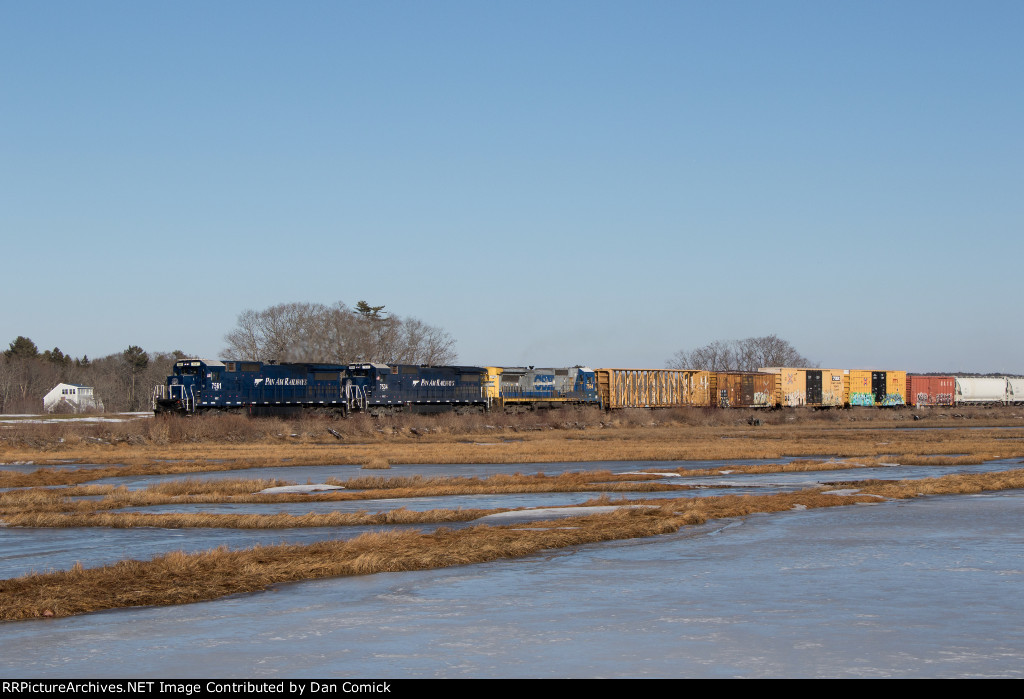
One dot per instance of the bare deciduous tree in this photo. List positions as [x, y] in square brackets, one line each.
[310, 332]
[740, 355]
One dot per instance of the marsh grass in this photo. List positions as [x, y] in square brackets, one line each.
[123, 520]
[855, 439]
[197, 491]
[377, 462]
[940, 460]
[648, 443]
[68, 435]
[27, 507]
[178, 578]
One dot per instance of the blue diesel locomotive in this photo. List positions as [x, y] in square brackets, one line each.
[257, 388]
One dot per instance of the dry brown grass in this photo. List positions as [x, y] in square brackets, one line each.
[939, 460]
[377, 463]
[126, 520]
[841, 439]
[235, 429]
[178, 578]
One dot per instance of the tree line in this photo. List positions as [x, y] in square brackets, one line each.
[123, 381]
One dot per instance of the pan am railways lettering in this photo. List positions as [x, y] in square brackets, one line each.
[433, 382]
[281, 382]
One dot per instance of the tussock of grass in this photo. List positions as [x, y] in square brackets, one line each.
[377, 463]
[943, 460]
[178, 578]
[128, 520]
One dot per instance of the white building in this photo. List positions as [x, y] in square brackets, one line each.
[71, 398]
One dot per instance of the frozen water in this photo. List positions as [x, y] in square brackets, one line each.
[23, 550]
[923, 588]
[300, 473]
[319, 474]
[509, 500]
[928, 587]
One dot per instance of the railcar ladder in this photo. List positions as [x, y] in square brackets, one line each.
[356, 396]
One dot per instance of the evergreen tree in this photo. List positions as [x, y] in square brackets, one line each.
[55, 356]
[22, 348]
[367, 311]
[135, 360]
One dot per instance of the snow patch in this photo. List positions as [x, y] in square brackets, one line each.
[312, 488]
[61, 420]
[540, 529]
[549, 512]
[651, 473]
[851, 491]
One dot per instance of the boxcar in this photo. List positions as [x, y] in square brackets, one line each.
[816, 388]
[930, 390]
[874, 387]
[652, 388]
[742, 389]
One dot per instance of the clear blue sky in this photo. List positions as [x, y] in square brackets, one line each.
[551, 182]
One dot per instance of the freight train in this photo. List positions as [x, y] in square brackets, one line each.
[257, 388]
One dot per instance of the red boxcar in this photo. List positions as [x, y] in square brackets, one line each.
[930, 390]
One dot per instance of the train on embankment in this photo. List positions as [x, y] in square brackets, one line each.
[257, 388]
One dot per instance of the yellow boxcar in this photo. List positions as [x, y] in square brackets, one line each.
[816, 388]
[652, 388]
[875, 387]
[833, 388]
